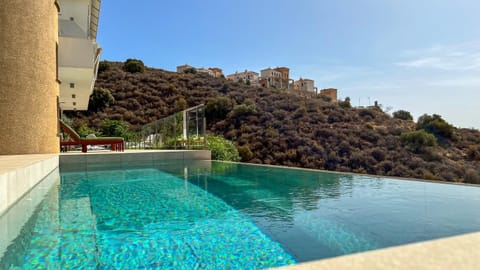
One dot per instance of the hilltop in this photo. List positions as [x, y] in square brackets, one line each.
[280, 127]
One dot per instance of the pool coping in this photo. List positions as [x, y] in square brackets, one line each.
[20, 173]
[355, 174]
[457, 252]
[133, 156]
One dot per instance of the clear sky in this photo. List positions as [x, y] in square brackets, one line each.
[422, 56]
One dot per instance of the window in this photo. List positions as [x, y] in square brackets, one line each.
[74, 103]
[74, 96]
[72, 85]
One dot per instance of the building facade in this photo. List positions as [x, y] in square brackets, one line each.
[205, 71]
[275, 77]
[246, 76]
[30, 56]
[78, 52]
[329, 92]
[304, 85]
[217, 72]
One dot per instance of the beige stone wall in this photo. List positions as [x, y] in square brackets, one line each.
[28, 85]
[331, 92]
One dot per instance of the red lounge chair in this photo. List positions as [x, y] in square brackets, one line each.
[116, 143]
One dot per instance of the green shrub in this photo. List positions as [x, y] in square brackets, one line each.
[134, 66]
[243, 110]
[100, 99]
[325, 98]
[84, 130]
[345, 103]
[103, 66]
[180, 104]
[115, 128]
[222, 149]
[366, 114]
[418, 140]
[403, 115]
[190, 70]
[245, 152]
[435, 125]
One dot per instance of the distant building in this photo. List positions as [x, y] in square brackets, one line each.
[205, 71]
[285, 76]
[246, 76]
[304, 85]
[217, 72]
[182, 68]
[329, 92]
[275, 77]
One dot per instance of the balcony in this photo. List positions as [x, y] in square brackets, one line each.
[78, 57]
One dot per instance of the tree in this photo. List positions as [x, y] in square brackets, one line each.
[84, 130]
[134, 66]
[435, 125]
[103, 66]
[403, 115]
[218, 108]
[345, 103]
[418, 140]
[115, 128]
[100, 99]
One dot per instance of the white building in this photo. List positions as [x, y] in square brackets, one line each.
[246, 76]
[78, 52]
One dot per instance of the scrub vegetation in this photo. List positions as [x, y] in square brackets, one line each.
[272, 126]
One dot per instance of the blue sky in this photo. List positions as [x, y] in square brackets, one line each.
[421, 56]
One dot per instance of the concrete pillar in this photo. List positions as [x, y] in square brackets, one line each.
[28, 77]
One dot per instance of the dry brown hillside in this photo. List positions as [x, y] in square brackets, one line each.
[273, 126]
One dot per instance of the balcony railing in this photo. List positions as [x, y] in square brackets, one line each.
[182, 130]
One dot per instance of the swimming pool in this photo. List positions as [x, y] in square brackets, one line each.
[214, 215]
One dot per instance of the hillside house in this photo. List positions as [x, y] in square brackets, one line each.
[217, 72]
[329, 92]
[304, 85]
[182, 68]
[275, 77]
[246, 76]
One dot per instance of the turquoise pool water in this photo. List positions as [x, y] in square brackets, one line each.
[213, 215]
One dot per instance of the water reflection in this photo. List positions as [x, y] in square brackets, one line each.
[318, 215]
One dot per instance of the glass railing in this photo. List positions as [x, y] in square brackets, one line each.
[182, 130]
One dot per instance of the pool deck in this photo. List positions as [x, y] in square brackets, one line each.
[20, 173]
[458, 252]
